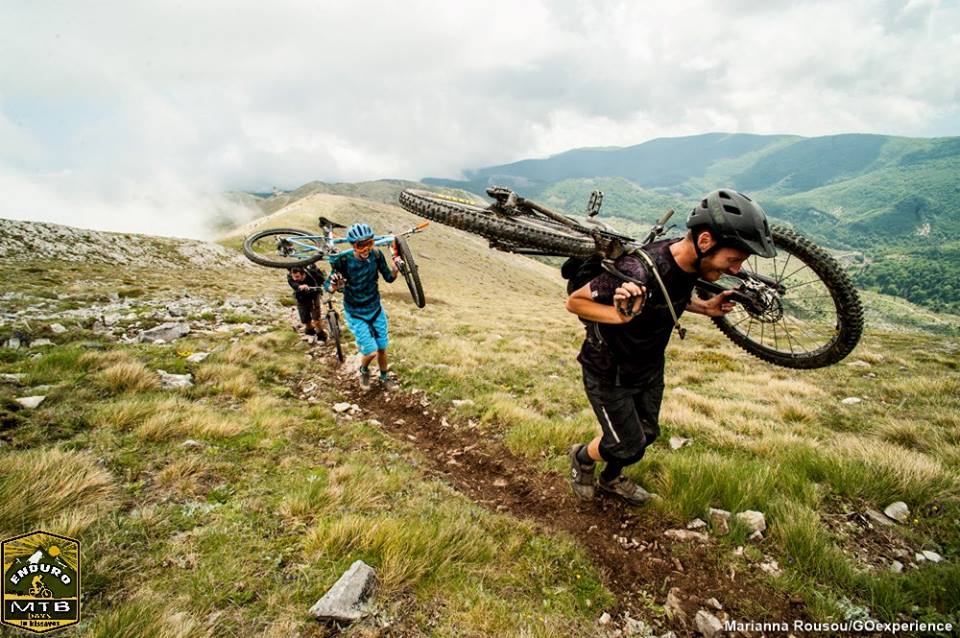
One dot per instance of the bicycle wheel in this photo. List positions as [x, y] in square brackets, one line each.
[815, 322]
[333, 332]
[522, 230]
[283, 247]
[410, 272]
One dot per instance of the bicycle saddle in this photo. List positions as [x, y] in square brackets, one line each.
[328, 223]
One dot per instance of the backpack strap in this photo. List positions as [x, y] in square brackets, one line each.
[663, 288]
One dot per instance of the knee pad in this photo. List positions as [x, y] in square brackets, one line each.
[625, 452]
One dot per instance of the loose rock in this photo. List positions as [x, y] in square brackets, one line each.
[696, 523]
[686, 535]
[753, 520]
[175, 381]
[460, 402]
[933, 557]
[673, 607]
[165, 331]
[878, 517]
[720, 520]
[57, 328]
[677, 442]
[898, 511]
[197, 357]
[31, 402]
[708, 624]
[851, 401]
[635, 627]
[345, 601]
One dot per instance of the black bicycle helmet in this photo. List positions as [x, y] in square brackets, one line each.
[735, 221]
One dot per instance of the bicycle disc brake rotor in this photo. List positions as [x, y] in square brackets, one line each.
[767, 306]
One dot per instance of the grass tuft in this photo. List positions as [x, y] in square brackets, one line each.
[38, 486]
[126, 376]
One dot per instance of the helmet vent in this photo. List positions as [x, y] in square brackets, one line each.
[703, 204]
[724, 195]
[731, 209]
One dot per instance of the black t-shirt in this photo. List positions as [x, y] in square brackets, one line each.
[314, 279]
[632, 353]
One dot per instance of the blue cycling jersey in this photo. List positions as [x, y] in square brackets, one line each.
[362, 295]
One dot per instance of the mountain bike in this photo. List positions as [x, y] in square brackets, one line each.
[288, 247]
[797, 310]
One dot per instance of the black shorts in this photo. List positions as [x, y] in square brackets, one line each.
[629, 415]
[310, 310]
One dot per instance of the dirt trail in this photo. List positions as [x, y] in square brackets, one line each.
[637, 563]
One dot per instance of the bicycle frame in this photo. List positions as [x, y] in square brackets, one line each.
[612, 244]
[308, 243]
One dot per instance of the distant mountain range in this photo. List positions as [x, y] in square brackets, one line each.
[896, 200]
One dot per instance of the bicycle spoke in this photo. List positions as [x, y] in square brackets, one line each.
[789, 337]
[801, 268]
[780, 276]
[812, 281]
[734, 325]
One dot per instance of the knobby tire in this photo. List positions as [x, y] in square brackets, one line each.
[411, 273]
[842, 295]
[333, 330]
[495, 226]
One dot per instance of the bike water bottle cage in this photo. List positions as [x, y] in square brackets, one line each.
[734, 221]
[359, 232]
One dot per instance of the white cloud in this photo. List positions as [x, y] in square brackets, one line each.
[180, 102]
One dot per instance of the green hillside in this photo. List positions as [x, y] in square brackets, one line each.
[878, 195]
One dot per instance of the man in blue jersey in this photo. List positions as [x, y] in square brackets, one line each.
[356, 273]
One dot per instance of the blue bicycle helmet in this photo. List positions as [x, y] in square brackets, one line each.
[359, 232]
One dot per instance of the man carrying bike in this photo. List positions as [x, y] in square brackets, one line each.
[356, 274]
[306, 283]
[629, 326]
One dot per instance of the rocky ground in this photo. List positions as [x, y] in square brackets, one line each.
[32, 241]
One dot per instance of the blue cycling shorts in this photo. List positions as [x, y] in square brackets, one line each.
[369, 336]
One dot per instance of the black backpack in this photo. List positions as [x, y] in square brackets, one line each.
[579, 272]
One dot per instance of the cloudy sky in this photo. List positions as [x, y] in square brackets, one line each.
[135, 115]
